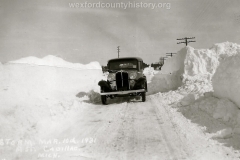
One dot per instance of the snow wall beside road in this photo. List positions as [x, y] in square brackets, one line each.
[191, 65]
[199, 62]
[226, 83]
[217, 70]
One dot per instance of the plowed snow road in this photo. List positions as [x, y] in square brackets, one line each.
[134, 131]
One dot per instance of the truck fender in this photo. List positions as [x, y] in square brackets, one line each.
[139, 83]
[105, 85]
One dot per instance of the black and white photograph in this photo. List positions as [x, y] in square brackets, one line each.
[119, 80]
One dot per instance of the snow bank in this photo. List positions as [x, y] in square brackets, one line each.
[199, 62]
[50, 77]
[170, 76]
[193, 69]
[44, 81]
[164, 83]
[54, 61]
[226, 79]
[218, 66]
[204, 62]
[175, 63]
[32, 95]
[149, 72]
[225, 49]
[221, 109]
[204, 71]
[188, 99]
[188, 68]
[225, 133]
[226, 84]
[94, 97]
[191, 62]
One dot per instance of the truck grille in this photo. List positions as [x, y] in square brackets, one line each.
[122, 82]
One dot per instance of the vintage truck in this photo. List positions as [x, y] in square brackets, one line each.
[125, 78]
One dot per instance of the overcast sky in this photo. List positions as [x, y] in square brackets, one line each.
[43, 27]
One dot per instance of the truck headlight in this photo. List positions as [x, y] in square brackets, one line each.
[133, 75]
[111, 77]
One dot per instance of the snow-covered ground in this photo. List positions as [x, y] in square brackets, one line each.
[34, 92]
[51, 109]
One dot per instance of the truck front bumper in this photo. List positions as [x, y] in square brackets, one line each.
[123, 92]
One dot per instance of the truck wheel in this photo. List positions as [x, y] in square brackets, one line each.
[143, 96]
[104, 99]
[146, 86]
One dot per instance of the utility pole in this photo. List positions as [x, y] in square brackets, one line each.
[163, 59]
[170, 54]
[186, 40]
[118, 49]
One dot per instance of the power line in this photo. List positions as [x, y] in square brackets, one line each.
[186, 40]
[170, 54]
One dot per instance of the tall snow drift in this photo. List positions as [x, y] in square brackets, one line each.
[210, 84]
[176, 63]
[200, 62]
[170, 76]
[225, 49]
[190, 66]
[226, 82]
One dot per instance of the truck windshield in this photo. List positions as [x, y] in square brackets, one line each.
[123, 64]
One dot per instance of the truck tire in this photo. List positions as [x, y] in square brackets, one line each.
[146, 86]
[143, 96]
[104, 99]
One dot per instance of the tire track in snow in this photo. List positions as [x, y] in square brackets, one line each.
[105, 147]
[168, 131]
[137, 131]
[137, 138]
